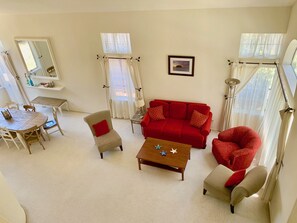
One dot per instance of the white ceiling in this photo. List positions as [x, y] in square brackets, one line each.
[58, 6]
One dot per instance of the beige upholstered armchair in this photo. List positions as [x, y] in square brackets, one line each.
[107, 141]
[251, 184]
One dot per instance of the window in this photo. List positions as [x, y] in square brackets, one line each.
[28, 55]
[253, 97]
[290, 65]
[121, 84]
[294, 63]
[260, 45]
[116, 43]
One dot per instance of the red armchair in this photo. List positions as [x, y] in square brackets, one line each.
[235, 148]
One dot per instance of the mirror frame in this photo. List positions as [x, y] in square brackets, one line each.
[16, 39]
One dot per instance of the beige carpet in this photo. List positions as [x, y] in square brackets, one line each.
[68, 182]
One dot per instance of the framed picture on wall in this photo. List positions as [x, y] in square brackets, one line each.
[181, 65]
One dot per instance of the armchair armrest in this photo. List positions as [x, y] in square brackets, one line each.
[205, 129]
[145, 121]
[226, 135]
[241, 159]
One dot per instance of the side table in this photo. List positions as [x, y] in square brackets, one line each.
[56, 103]
[136, 119]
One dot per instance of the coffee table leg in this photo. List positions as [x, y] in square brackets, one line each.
[139, 164]
[183, 170]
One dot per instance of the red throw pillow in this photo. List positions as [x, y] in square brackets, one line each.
[156, 113]
[235, 178]
[101, 128]
[198, 119]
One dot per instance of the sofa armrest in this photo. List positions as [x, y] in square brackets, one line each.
[205, 129]
[145, 121]
[241, 159]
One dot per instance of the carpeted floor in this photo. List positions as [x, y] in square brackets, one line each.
[69, 183]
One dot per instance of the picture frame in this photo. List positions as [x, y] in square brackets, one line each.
[181, 65]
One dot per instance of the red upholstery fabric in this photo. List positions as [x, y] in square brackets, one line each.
[198, 119]
[172, 129]
[155, 129]
[191, 136]
[235, 178]
[235, 148]
[178, 110]
[156, 113]
[176, 129]
[165, 105]
[101, 128]
[202, 108]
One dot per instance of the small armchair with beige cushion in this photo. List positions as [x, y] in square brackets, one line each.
[215, 183]
[107, 141]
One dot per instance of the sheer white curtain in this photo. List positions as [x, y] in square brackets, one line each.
[9, 83]
[243, 72]
[270, 126]
[121, 88]
[287, 119]
[243, 110]
[260, 45]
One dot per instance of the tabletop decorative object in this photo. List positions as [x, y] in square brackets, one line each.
[158, 147]
[163, 153]
[6, 114]
[173, 151]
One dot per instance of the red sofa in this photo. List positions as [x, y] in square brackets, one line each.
[235, 148]
[176, 125]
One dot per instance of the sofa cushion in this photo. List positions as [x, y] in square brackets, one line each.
[198, 119]
[192, 135]
[156, 113]
[165, 105]
[224, 155]
[155, 129]
[172, 129]
[178, 110]
[101, 128]
[202, 108]
[235, 178]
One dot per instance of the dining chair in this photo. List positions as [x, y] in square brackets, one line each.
[8, 136]
[52, 124]
[29, 108]
[30, 136]
[32, 108]
[12, 105]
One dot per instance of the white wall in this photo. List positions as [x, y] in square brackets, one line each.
[285, 193]
[4, 97]
[212, 36]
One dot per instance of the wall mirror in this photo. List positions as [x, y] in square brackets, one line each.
[38, 57]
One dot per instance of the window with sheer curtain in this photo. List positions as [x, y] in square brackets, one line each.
[256, 104]
[117, 47]
[260, 45]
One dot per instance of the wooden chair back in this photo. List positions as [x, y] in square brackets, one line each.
[29, 108]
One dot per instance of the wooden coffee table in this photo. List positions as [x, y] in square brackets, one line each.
[177, 162]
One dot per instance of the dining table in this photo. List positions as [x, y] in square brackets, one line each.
[22, 120]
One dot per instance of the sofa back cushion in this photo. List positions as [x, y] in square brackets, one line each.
[202, 108]
[177, 110]
[165, 105]
[156, 113]
[198, 119]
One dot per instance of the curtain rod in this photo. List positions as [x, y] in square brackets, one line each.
[113, 57]
[278, 74]
[248, 62]
[282, 84]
